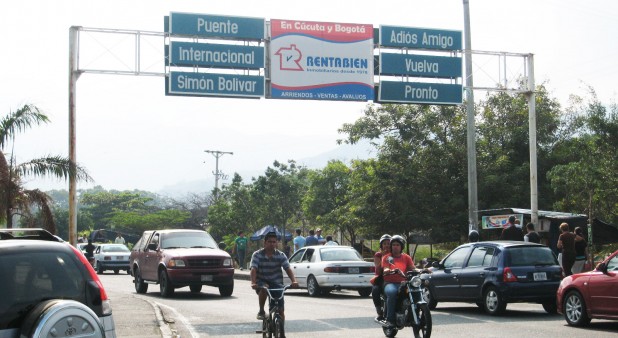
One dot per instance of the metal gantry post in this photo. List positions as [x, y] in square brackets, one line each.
[471, 127]
[217, 154]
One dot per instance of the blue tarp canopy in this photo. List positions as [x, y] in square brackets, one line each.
[270, 228]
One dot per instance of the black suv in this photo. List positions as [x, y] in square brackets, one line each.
[492, 274]
[49, 289]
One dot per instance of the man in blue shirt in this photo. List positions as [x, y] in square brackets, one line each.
[299, 241]
[311, 239]
[266, 265]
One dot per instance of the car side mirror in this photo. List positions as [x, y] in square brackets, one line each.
[601, 267]
[152, 246]
[436, 264]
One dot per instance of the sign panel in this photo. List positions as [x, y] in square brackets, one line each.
[499, 221]
[420, 38]
[191, 54]
[420, 92]
[321, 60]
[420, 65]
[216, 26]
[208, 84]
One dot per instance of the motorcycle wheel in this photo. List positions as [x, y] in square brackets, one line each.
[389, 332]
[424, 329]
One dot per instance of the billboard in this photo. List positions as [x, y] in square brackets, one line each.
[498, 221]
[321, 60]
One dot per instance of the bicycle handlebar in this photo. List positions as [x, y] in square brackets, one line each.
[268, 290]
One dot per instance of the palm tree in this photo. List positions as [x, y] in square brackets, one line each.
[14, 198]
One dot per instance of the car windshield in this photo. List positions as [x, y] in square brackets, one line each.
[340, 255]
[527, 255]
[115, 248]
[187, 240]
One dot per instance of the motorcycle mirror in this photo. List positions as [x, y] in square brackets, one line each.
[390, 260]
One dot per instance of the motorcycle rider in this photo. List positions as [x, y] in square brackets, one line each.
[392, 279]
[378, 280]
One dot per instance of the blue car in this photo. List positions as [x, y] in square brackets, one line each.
[493, 274]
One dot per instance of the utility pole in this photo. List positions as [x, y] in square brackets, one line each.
[217, 173]
[471, 127]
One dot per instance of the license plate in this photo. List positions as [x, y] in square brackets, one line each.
[352, 270]
[206, 278]
[538, 276]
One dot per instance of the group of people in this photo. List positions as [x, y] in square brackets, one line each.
[314, 238]
[511, 232]
[572, 245]
[573, 250]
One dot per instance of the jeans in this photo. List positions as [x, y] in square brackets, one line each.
[241, 259]
[391, 290]
[376, 291]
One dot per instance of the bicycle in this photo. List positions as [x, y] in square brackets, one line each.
[272, 324]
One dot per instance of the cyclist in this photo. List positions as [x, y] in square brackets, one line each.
[266, 264]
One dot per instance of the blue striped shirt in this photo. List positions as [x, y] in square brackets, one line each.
[269, 269]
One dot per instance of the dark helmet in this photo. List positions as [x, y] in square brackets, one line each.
[399, 239]
[385, 237]
[473, 236]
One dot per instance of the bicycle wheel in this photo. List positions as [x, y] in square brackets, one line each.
[278, 327]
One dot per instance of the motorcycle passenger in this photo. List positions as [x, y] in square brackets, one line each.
[400, 262]
[378, 279]
[266, 271]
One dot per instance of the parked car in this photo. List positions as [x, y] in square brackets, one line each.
[321, 269]
[47, 287]
[493, 274]
[178, 258]
[111, 257]
[588, 295]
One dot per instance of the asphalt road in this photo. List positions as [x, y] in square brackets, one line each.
[342, 314]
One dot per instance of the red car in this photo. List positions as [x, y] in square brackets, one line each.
[588, 295]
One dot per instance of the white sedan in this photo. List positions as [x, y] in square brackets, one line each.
[111, 257]
[323, 268]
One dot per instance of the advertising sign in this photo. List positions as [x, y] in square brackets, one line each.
[498, 221]
[420, 38]
[420, 65]
[420, 92]
[216, 26]
[191, 54]
[208, 84]
[321, 60]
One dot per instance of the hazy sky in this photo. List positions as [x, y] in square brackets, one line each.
[131, 136]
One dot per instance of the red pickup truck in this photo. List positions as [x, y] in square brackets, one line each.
[178, 258]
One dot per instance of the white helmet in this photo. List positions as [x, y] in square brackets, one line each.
[385, 237]
[399, 239]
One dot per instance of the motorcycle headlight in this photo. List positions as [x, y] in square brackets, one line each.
[416, 281]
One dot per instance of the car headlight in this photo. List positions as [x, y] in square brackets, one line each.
[179, 263]
[416, 281]
[227, 262]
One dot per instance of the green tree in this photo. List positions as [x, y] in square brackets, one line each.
[101, 205]
[15, 199]
[234, 210]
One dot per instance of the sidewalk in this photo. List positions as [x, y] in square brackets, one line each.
[138, 317]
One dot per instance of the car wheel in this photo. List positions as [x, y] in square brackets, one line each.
[69, 317]
[492, 302]
[116, 271]
[195, 288]
[99, 268]
[575, 309]
[431, 302]
[226, 290]
[166, 289]
[312, 287]
[364, 292]
[140, 285]
[550, 307]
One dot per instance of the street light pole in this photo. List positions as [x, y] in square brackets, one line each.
[217, 173]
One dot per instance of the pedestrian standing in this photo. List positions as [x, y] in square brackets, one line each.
[240, 247]
[581, 251]
[531, 235]
[311, 239]
[119, 239]
[566, 243]
[299, 241]
[511, 232]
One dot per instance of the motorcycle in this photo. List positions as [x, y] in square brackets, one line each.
[411, 309]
